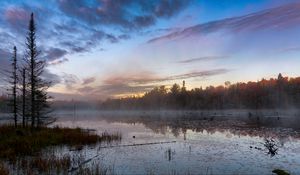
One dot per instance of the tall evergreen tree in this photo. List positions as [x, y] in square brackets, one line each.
[24, 117]
[13, 89]
[38, 87]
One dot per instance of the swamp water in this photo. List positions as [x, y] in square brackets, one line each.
[171, 142]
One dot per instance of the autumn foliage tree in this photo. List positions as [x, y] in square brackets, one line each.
[282, 92]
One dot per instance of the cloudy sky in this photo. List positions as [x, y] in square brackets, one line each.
[97, 49]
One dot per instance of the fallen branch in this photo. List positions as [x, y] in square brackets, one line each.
[113, 146]
[137, 144]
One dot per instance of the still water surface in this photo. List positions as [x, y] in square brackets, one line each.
[189, 143]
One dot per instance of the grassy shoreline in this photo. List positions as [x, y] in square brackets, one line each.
[16, 144]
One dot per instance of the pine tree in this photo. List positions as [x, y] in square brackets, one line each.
[24, 116]
[38, 87]
[13, 90]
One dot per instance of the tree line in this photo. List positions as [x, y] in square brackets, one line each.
[280, 92]
[28, 100]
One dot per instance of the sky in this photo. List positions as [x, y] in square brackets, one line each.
[99, 49]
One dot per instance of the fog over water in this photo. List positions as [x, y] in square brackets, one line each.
[212, 142]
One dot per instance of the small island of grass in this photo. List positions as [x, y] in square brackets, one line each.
[23, 147]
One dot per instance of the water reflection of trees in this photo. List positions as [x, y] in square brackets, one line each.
[178, 124]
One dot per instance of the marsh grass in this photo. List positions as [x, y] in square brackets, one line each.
[52, 164]
[43, 165]
[3, 169]
[94, 169]
[106, 137]
[26, 142]
[23, 149]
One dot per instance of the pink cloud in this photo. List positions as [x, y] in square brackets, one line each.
[16, 16]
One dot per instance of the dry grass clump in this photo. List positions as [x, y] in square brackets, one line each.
[3, 169]
[44, 165]
[25, 141]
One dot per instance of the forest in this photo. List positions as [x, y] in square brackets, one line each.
[281, 92]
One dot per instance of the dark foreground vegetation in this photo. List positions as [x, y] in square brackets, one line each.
[23, 147]
[25, 141]
[282, 92]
